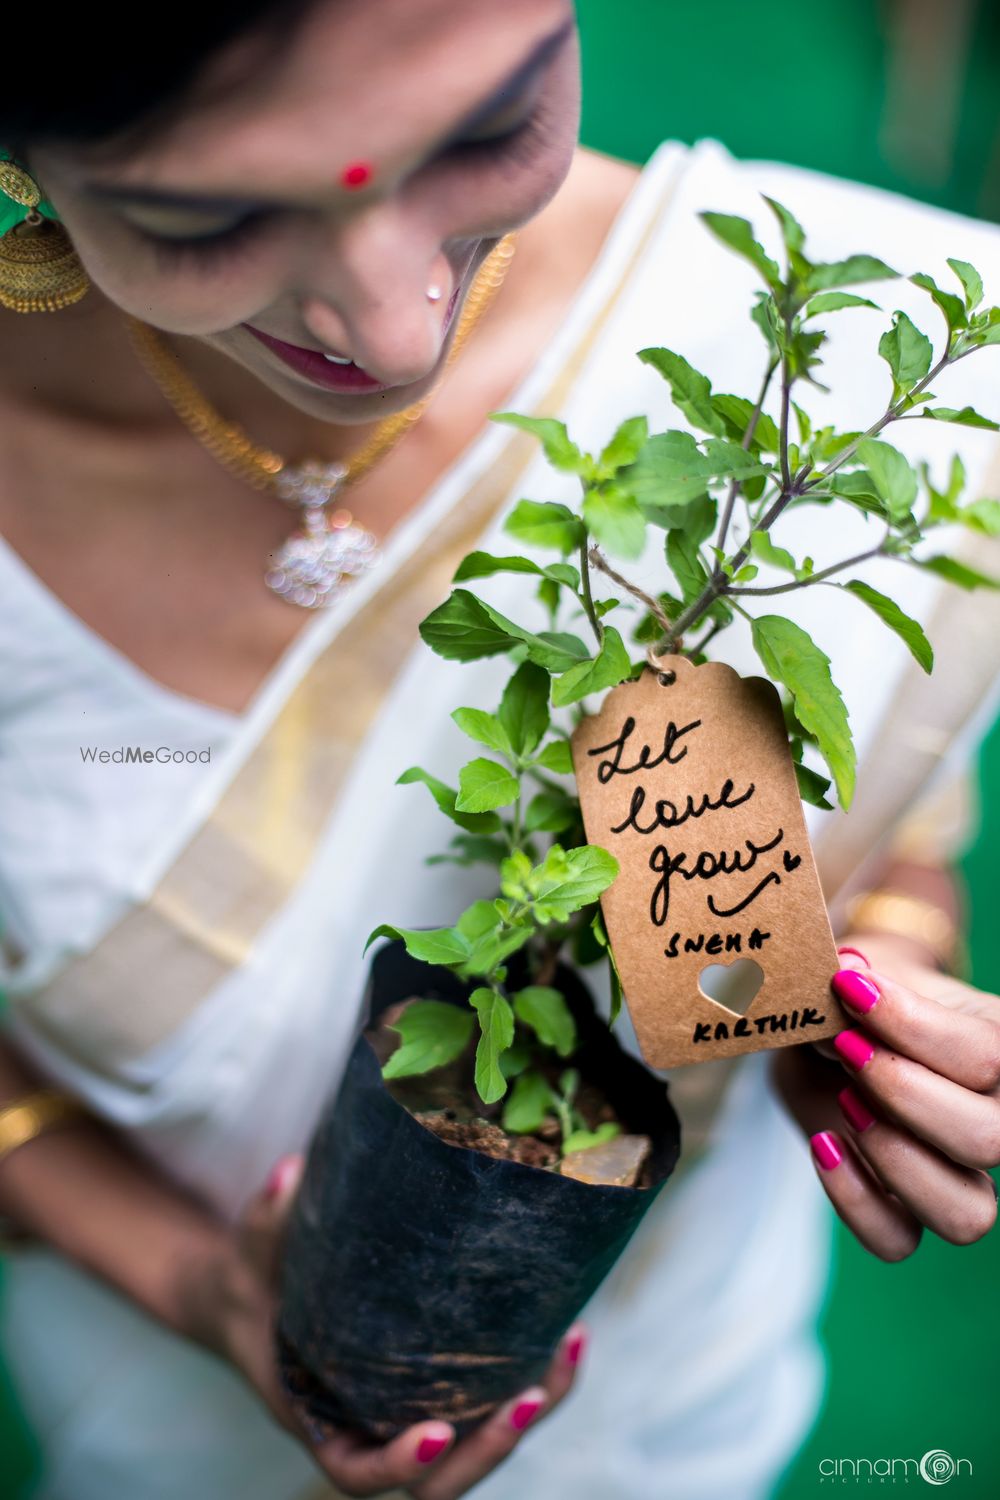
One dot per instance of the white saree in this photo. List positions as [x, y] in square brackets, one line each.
[182, 944]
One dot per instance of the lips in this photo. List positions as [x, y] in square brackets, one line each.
[313, 363]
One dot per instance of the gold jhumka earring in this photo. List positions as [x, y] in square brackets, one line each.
[39, 269]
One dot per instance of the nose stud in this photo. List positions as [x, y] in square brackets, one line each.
[435, 292]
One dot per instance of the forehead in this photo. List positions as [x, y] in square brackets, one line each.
[356, 78]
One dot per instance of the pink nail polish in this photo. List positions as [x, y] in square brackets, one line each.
[826, 1151]
[430, 1447]
[525, 1412]
[280, 1176]
[855, 953]
[854, 989]
[857, 1115]
[575, 1348]
[853, 1048]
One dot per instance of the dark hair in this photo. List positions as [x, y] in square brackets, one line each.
[109, 79]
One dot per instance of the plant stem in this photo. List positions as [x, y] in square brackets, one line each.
[734, 488]
[786, 404]
[600, 561]
[804, 583]
[587, 593]
[709, 636]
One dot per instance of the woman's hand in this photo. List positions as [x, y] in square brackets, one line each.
[424, 1461]
[903, 1109]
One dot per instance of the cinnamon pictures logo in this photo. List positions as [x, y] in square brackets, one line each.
[134, 755]
[936, 1467]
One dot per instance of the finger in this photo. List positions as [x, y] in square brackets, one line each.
[360, 1467]
[880, 1223]
[854, 959]
[957, 1203]
[953, 1042]
[490, 1444]
[264, 1216]
[963, 1124]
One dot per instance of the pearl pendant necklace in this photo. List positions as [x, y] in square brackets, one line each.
[313, 565]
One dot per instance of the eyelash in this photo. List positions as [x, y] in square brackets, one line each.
[517, 145]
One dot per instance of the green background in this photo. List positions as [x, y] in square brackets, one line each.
[912, 1348]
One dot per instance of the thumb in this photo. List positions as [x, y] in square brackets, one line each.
[262, 1224]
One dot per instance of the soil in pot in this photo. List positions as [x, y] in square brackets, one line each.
[432, 1277]
[445, 1101]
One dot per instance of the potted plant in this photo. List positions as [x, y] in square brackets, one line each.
[491, 1144]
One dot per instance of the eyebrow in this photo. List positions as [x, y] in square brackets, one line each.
[164, 198]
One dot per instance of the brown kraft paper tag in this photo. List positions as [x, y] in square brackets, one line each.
[691, 786]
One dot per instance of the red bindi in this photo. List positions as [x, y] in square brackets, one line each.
[356, 175]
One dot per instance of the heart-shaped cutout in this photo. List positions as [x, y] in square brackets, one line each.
[732, 986]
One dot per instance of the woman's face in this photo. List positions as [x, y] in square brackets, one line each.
[467, 116]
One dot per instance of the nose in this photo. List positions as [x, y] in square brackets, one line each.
[367, 298]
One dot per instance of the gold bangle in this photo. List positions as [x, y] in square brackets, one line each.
[24, 1118]
[900, 914]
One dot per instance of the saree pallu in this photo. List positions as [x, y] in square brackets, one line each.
[207, 1009]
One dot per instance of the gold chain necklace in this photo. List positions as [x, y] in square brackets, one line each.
[314, 563]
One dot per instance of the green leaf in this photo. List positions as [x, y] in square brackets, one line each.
[570, 879]
[465, 628]
[529, 1105]
[446, 799]
[965, 416]
[543, 523]
[906, 628]
[792, 658]
[736, 413]
[433, 1034]
[763, 548]
[982, 515]
[847, 272]
[557, 757]
[907, 352]
[484, 728]
[685, 564]
[484, 565]
[827, 302]
[672, 469]
[524, 708]
[625, 446]
[610, 666]
[484, 785]
[957, 572]
[546, 1012]
[972, 282]
[791, 230]
[951, 306]
[496, 1025]
[559, 450]
[944, 504]
[471, 849]
[614, 518]
[738, 234]
[435, 945]
[691, 391]
[550, 812]
[894, 479]
[813, 787]
[583, 1140]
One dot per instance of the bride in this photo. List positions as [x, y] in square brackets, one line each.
[294, 253]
